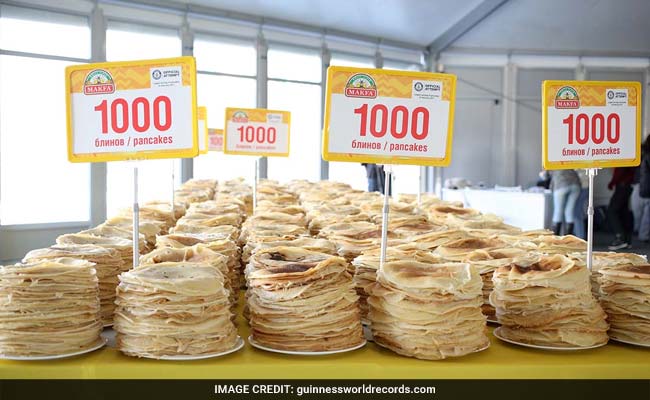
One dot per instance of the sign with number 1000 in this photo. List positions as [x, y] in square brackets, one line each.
[132, 110]
[257, 131]
[388, 117]
[589, 124]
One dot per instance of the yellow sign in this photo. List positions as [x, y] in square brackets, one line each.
[132, 110]
[257, 132]
[202, 114]
[215, 139]
[591, 124]
[388, 117]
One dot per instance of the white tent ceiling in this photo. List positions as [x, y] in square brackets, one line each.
[616, 27]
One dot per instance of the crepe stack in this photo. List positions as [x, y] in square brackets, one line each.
[302, 301]
[123, 227]
[547, 301]
[123, 246]
[303, 242]
[486, 262]
[428, 310]
[625, 295]
[214, 242]
[367, 264]
[48, 308]
[236, 189]
[216, 232]
[451, 214]
[325, 214]
[173, 309]
[458, 249]
[430, 241]
[107, 263]
[352, 239]
[413, 226]
[559, 244]
[109, 231]
[198, 253]
[602, 260]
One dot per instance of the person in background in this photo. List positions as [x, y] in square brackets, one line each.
[618, 211]
[580, 211]
[566, 189]
[376, 178]
[644, 192]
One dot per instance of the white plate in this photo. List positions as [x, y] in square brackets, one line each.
[497, 334]
[99, 345]
[492, 321]
[238, 346]
[629, 342]
[303, 353]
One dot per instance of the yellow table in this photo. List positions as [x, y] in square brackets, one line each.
[501, 360]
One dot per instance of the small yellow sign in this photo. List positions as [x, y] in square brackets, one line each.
[388, 117]
[202, 114]
[257, 132]
[215, 139]
[132, 110]
[591, 124]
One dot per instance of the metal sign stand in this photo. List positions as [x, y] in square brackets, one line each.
[257, 170]
[419, 188]
[173, 189]
[591, 173]
[136, 218]
[384, 219]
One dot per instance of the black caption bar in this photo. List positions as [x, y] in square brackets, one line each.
[324, 389]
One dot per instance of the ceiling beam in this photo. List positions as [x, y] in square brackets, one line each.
[464, 25]
[176, 6]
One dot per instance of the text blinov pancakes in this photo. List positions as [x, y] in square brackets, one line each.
[302, 301]
[547, 301]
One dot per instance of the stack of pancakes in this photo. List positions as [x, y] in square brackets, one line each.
[123, 246]
[172, 309]
[625, 295]
[49, 307]
[215, 242]
[486, 262]
[602, 260]
[547, 301]
[367, 264]
[301, 300]
[236, 191]
[197, 254]
[107, 263]
[427, 310]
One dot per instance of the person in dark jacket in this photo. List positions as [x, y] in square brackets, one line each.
[644, 191]
[376, 178]
[618, 211]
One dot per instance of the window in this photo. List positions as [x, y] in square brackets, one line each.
[353, 174]
[303, 100]
[42, 32]
[133, 42]
[216, 59]
[401, 65]
[37, 183]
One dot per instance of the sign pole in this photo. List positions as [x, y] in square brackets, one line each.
[173, 189]
[257, 169]
[384, 219]
[136, 219]
[419, 188]
[591, 173]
